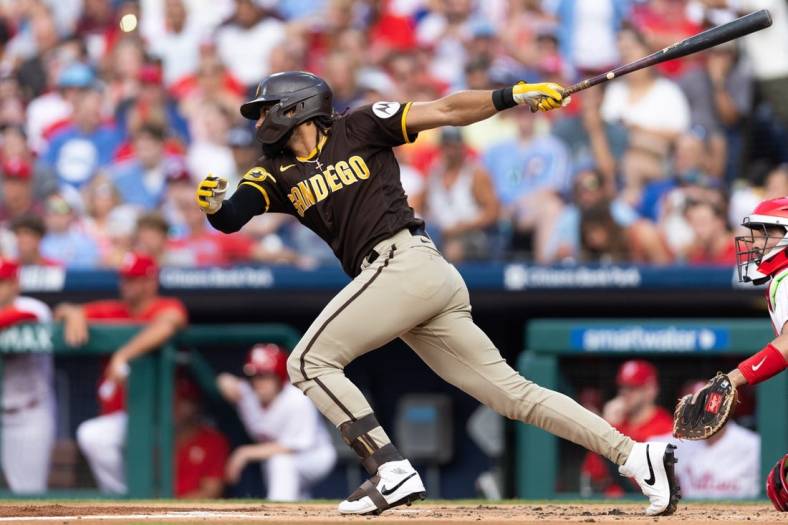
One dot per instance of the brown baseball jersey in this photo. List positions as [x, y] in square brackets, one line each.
[348, 190]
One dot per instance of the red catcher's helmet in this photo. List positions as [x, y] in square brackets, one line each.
[776, 486]
[266, 359]
[754, 263]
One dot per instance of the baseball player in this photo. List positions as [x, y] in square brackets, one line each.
[761, 257]
[28, 422]
[338, 175]
[291, 441]
[103, 438]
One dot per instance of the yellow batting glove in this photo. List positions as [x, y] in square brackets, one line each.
[540, 97]
[210, 194]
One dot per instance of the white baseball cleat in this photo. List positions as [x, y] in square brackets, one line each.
[396, 483]
[651, 466]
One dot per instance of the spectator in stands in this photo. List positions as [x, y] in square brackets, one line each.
[52, 109]
[200, 450]
[151, 236]
[529, 174]
[721, 112]
[638, 102]
[769, 65]
[663, 23]
[590, 196]
[587, 33]
[209, 127]
[36, 41]
[460, 201]
[724, 466]
[79, 149]
[244, 148]
[178, 48]
[142, 179]
[213, 83]
[287, 429]
[66, 241]
[126, 61]
[152, 105]
[245, 42]
[102, 439]
[340, 73]
[18, 194]
[29, 230]
[634, 413]
[602, 238]
[712, 242]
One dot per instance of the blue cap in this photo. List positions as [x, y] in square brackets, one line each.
[76, 75]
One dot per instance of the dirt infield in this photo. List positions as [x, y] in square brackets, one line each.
[463, 513]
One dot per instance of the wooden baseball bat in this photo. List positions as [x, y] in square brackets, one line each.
[709, 38]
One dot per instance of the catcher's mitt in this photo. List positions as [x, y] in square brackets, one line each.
[703, 414]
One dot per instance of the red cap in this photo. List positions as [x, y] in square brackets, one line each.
[9, 269]
[138, 265]
[17, 169]
[266, 359]
[636, 373]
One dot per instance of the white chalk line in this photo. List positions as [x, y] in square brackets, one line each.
[147, 517]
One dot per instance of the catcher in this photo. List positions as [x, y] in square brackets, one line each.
[761, 256]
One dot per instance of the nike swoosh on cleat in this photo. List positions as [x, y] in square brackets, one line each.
[285, 168]
[651, 479]
[756, 367]
[387, 492]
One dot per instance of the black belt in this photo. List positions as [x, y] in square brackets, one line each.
[414, 230]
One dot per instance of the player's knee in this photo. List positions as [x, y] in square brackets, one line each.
[90, 436]
[279, 465]
[294, 366]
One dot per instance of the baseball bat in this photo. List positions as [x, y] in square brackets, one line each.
[709, 38]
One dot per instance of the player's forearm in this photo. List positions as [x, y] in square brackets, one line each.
[237, 210]
[770, 361]
[263, 451]
[149, 339]
[466, 107]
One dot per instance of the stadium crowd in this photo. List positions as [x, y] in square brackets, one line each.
[111, 110]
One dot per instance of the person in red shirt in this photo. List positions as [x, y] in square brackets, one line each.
[102, 439]
[634, 413]
[200, 450]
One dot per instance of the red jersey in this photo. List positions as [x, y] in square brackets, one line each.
[112, 397]
[594, 466]
[198, 457]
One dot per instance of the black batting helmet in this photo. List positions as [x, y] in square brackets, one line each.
[305, 95]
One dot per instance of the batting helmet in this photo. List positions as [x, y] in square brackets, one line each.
[776, 486]
[295, 97]
[266, 359]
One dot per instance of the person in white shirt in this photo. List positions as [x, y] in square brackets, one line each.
[246, 41]
[291, 441]
[178, 45]
[643, 100]
[28, 404]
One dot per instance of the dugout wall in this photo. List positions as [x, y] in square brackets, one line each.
[551, 342]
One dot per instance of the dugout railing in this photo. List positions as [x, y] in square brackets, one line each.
[149, 442]
[549, 343]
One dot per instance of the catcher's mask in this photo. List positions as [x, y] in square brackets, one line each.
[291, 98]
[759, 257]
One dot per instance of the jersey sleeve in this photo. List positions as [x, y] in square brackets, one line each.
[778, 302]
[261, 179]
[106, 310]
[381, 124]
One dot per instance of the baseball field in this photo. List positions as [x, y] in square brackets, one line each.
[312, 513]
